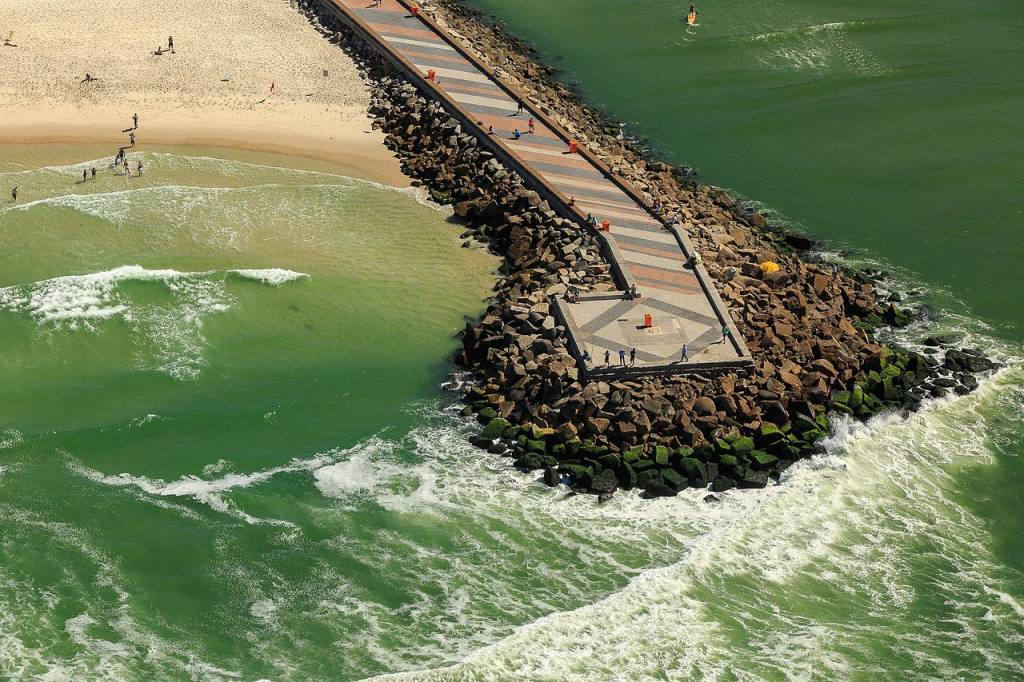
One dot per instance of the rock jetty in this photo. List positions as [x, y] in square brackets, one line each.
[809, 326]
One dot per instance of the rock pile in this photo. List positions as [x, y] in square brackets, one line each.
[808, 326]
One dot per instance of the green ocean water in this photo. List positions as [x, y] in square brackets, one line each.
[225, 452]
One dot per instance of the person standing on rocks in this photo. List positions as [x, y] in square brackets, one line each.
[622, 357]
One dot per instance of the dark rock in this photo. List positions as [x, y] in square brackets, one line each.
[722, 483]
[754, 479]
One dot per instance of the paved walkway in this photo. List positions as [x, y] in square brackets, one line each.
[683, 305]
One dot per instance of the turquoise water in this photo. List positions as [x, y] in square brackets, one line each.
[224, 453]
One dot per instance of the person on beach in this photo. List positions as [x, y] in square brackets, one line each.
[127, 169]
[89, 78]
[93, 172]
[159, 51]
[530, 125]
[376, 3]
[622, 357]
[572, 201]
[138, 168]
[170, 44]
[135, 121]
[131, 138]
[685, 352]
[14, 193]
[85, 175]
[632, 356]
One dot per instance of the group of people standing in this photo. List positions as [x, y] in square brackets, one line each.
[121, 160]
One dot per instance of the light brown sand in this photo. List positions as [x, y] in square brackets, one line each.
[183, 98]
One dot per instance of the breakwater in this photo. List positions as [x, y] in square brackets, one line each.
[808, 327]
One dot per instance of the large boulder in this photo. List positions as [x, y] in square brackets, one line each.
[704, 405]
[495, 428]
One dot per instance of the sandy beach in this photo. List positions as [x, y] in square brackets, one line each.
[214, 90]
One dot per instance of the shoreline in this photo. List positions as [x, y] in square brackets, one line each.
[353, 147]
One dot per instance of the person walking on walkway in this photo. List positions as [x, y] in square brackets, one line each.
[607, 353]
[685, 353]
[725, 333]
[622, 357]
[632, 356]
[531, 124]
[519, 111]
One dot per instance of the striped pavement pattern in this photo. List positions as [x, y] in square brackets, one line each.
[651, 254]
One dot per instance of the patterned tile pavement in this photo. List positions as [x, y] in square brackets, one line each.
[683, 311]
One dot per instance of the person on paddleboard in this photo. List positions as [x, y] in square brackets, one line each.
[691, 18]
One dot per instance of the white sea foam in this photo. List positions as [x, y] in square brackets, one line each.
[848, 532]
[207, 491]
[272, 276]
[263, 609]
[170, 336]
[822, 48]
[10, 438]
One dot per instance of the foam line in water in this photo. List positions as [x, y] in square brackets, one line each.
[852, 529]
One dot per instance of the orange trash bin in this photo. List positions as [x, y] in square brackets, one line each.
[431, 75]
[414, 10]
[648, 320]
[573, 146]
